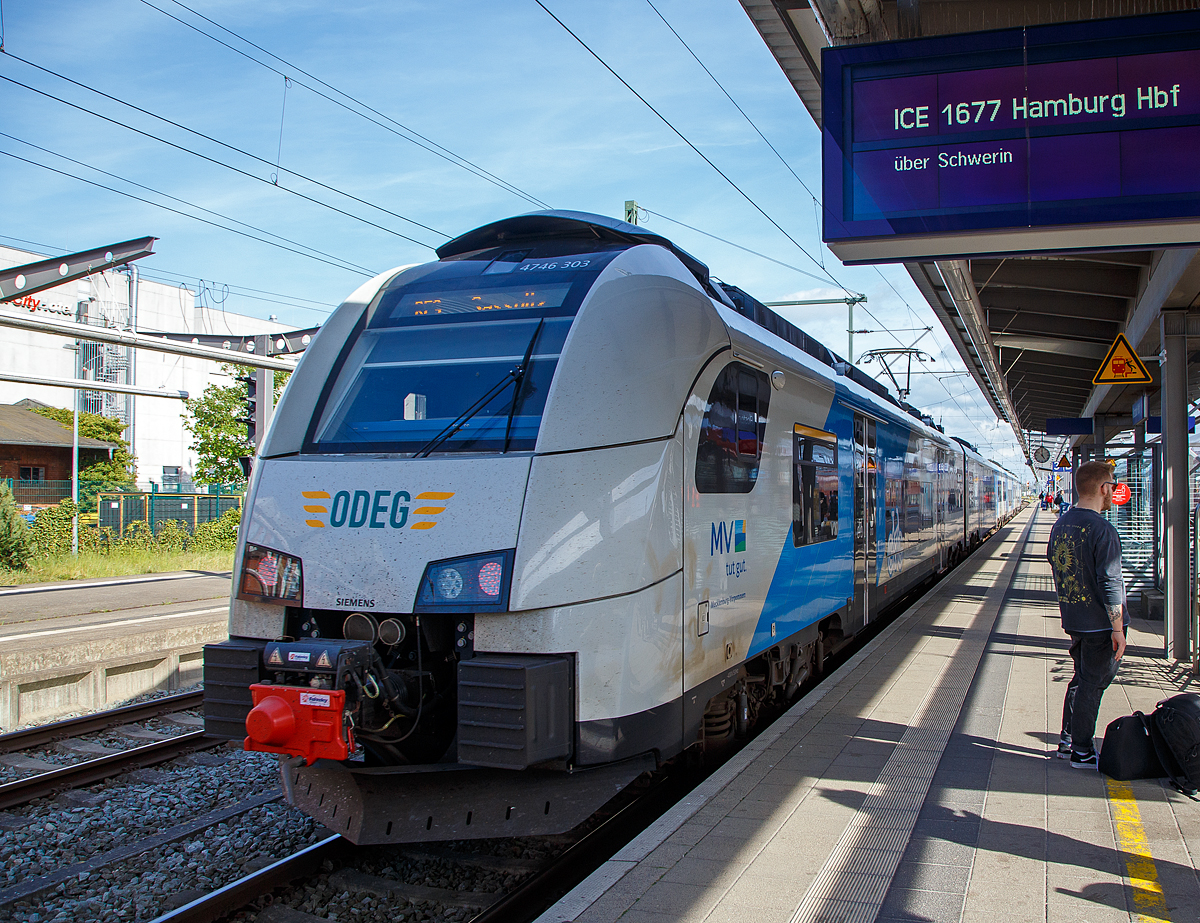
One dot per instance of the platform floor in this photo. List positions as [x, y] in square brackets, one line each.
[919, 783]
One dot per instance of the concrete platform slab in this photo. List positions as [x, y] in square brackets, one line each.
[920, 783]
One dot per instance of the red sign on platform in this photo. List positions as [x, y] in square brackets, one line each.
[1121, 494]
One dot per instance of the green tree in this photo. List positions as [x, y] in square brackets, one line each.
[215, 420]
[117, 473]
[16, 544]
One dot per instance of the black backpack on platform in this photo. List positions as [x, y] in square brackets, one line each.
[1175, 730]
[1128, 751]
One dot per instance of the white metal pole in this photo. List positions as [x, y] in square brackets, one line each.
[850, 331]
[131, 374]
[75, 472]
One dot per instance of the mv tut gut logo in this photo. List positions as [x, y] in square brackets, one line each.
[380, 509]
[729, 538]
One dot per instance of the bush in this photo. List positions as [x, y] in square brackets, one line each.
[217, 534]
[172, 535]
[98, 540]
[51, 532]
[16, 544]
[137, 536]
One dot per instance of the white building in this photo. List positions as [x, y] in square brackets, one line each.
[119, 299]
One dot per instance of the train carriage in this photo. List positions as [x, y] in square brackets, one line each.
[536, 517]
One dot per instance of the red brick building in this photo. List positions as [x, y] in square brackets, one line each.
[33, 448]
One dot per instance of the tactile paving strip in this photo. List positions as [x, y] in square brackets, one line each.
[851, 886]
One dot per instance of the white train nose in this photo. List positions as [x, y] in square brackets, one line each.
[352, 521]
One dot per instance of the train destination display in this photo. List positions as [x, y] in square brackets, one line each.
[997, 141]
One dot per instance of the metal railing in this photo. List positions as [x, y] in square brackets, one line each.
[118, 509]
[37, 494]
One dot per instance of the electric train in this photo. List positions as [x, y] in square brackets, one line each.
[536, 517]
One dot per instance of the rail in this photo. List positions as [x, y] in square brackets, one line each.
[44, 734]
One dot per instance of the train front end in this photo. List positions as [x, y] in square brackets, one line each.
[382, 521]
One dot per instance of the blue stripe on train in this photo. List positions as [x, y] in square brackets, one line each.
[814, 580]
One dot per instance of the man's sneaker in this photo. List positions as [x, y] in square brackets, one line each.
[1064, 749]
[1087, 760]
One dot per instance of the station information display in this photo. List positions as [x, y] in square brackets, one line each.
[1014, 140]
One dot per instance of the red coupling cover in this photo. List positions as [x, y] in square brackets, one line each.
[296, 721]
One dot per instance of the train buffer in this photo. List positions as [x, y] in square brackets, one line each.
[919, 783]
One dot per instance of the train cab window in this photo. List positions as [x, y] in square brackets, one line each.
[732, 432]
[814, 486]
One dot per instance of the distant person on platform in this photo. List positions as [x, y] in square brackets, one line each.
[1058, 501]
[1085, 555]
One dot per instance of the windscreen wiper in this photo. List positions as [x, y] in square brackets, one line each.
[463, 418]
[516, 375]
[522, 369]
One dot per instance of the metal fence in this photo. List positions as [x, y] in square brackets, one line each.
[34, 495]
[118, 510]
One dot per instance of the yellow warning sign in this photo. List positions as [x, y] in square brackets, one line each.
[1122, 366]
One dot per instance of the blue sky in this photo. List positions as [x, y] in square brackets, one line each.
[500, 84]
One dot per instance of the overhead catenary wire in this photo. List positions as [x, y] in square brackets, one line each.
[771, 259]
[812, 276]
[242, 291]
[88, 166]
[736, 105]
[417, 138]
[697, 150]
[816, 200]
[130, 195]
[212, 160]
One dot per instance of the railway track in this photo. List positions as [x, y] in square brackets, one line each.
[39, 736]
[89, 771]
[541, 882]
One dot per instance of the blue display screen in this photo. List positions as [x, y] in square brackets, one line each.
[1085, 123]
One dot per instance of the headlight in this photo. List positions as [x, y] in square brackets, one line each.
[270, 576]
[478, 583]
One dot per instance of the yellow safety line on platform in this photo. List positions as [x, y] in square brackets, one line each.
[1149, 904]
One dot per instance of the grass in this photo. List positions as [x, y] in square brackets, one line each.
[119, 564]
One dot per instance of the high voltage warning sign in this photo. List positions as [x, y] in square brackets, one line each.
[1122, 366]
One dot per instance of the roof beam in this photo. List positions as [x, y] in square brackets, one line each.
[1067, 276]
[142, 341]
[31, 278]
[1160, 287]
[1010, 322]
[1055, 304]
[1049, 346]
[84, 384]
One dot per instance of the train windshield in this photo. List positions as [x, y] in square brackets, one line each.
[457, 364]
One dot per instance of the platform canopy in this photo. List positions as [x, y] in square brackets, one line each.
[1033, 329]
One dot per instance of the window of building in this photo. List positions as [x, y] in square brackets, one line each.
[814, 486]
[32, 474]
[732, 432]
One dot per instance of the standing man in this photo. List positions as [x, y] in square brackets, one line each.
[1085, 555]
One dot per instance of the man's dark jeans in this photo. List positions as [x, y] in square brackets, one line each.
[1095, 667]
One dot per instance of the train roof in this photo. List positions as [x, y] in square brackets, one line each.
[561, 223]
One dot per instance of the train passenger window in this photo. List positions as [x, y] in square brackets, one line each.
[814, 486]
[731, 434]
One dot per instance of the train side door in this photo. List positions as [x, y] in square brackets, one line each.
[941, 481]
[865, 473]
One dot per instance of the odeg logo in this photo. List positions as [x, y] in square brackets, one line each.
[380, 509]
